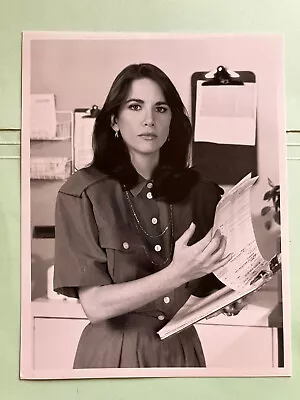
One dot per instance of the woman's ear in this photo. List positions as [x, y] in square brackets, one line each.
[114, 123]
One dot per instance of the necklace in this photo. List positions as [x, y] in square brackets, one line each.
[139, 223]
[140, 228]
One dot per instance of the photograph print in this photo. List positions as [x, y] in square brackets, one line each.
[154, 209]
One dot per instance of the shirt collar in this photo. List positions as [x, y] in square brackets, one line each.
[142, 182]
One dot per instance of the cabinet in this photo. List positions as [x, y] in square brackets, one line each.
[55, 342]
[238, 346]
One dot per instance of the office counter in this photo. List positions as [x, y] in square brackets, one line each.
[227, 341]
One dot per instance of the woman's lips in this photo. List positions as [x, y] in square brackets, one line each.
[148, 136]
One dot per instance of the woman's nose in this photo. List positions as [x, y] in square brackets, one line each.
[149, 119]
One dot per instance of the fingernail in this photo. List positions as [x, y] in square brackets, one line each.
[192, 224]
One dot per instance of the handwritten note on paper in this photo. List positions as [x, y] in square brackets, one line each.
[233, 218]
[83, 133]
[226, 114]
[42, 116]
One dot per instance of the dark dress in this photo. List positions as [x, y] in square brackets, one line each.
[99, 241]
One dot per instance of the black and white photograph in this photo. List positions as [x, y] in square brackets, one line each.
[154, 206]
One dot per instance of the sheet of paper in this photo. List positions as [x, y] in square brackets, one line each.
[83, 133]
[226, 114]
[233, 219]
[42, 116]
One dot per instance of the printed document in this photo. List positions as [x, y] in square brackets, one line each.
[239, 274]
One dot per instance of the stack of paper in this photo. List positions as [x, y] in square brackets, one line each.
[239, 274]
[42, 116]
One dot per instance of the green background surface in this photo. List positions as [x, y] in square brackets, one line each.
[219, 16]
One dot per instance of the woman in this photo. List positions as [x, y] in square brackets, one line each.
[133, 237]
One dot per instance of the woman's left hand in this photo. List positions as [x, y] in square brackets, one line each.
[230, 310]
[234, 308]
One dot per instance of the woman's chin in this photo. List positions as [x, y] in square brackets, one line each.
[147, 149]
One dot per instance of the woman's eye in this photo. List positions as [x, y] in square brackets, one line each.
[161, 109]
[134, 107]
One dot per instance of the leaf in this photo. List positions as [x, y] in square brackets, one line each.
[270, 182]
[277, 217]
[268, 225]
[265, 210]
[267, 195]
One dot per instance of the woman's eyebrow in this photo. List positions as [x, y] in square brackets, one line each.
[136, 100]
[158, 103]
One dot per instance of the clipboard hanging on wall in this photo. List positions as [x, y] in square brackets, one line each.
[82, 150]
[224, 147]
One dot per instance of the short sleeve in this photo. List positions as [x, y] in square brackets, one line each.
[79, 259]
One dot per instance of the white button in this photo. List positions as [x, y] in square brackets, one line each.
[149, 195]
[154, 221]
[161, 317]
[167, 300]
[149, 185]
[157, 247]
[126, 245]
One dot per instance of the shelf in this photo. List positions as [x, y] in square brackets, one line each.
[44, 232]
[45, 139]
[50, 168]
[256, 313]
[63, 131]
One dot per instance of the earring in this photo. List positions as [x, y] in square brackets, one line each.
[117, 134]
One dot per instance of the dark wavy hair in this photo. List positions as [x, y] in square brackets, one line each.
[172, 177]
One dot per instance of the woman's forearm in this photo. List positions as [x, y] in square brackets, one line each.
[189, 263]
[105, 302]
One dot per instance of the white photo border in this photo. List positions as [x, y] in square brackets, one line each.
[26, 367]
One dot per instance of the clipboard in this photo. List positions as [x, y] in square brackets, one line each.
[82, 149]
[196, 310]
[224, 164]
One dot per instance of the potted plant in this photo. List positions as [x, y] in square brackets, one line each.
[272, 213]
[273, 209]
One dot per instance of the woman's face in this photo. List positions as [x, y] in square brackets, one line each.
[144, 118]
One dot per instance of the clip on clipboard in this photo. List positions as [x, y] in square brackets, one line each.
[227, 162]
[84, 119]
[265, 275]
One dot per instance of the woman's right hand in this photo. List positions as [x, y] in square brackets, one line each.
[193, 262]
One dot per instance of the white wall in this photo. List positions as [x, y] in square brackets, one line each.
[80, 73]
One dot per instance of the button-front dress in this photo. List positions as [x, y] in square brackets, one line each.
[104, 236]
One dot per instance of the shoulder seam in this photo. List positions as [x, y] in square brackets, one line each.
[75, 188]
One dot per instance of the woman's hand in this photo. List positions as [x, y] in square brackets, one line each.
[234, 308]
[231, 310]
[202, 258]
